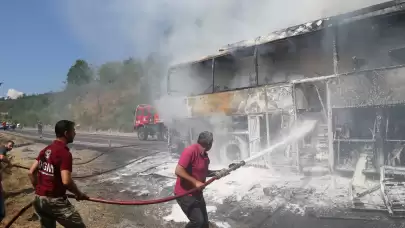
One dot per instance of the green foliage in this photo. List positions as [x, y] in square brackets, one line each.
[79, 74]
[109, 72]
[87, 98]
[27, 109]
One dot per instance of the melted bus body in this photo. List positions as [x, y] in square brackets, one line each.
[252, 92]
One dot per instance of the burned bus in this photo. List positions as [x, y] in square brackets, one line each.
[345, 72]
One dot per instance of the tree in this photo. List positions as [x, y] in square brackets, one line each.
[79, 74]
[109, 72]
[132, 71]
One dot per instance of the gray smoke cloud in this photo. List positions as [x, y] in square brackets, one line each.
[197, 28]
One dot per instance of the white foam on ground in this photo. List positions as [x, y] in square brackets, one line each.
[246, 185]
[221, 224]
[237, 184]
[159, 163]
[161, 159]
[177, 215]
[167, 169]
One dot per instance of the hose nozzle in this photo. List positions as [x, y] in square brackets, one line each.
[235, 166]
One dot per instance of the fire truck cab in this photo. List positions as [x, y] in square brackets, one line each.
[147, 123]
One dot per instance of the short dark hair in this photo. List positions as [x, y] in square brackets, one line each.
[10, 141]
[205, 138]
[62, 126]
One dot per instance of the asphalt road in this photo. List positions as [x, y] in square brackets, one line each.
[117, 149]
[89, 138]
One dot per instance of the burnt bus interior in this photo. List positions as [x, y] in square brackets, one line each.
[376, 131]
[356, 49]
[235, 71]
[375, 128]
[305, 56]
[197, 77]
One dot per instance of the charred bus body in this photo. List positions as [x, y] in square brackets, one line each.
[347, 72]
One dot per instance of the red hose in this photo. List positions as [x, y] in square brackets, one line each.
[140, 202]
[117, 202]
[15, 217]
[147, 202]
[135, 202]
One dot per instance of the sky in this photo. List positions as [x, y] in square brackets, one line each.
[40, 40]
[38, 44]
[36, 48]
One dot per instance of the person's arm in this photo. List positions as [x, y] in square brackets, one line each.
[67, 180]
[181, 172]
[33, 173]
[184, 162]
[70, 185]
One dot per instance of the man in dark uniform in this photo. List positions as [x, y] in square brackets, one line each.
[53, 169]
[192, 171]
[3, 158]
[39, 125]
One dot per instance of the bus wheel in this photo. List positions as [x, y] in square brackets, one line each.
[233, 150]
[162, 134]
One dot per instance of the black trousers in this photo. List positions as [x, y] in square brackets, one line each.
[196, 211]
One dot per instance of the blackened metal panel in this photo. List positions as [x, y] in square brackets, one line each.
[369, 88]
[242, 102]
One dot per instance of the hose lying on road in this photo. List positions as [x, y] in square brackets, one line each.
[102, 172]
[136, 202]
[15, 217]
[110, 150]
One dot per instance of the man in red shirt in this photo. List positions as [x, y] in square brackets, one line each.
[192, 171]
[53, 169]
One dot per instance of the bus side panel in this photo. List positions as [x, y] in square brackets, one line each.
[242, 102]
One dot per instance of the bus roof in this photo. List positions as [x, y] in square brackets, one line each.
[371, 11]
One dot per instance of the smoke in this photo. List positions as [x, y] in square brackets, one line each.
[185, 30]
[14, 94]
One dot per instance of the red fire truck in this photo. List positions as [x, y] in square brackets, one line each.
[147, 123]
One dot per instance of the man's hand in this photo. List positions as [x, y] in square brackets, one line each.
[221, 173]
[198, 184]
[81, 196]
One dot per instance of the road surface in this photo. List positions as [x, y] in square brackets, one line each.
[93, 139]
[230, 211]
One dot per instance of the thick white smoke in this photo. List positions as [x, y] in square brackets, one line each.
[197, 27]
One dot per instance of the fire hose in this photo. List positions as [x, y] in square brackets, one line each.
[231, 168]
[98, 173]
